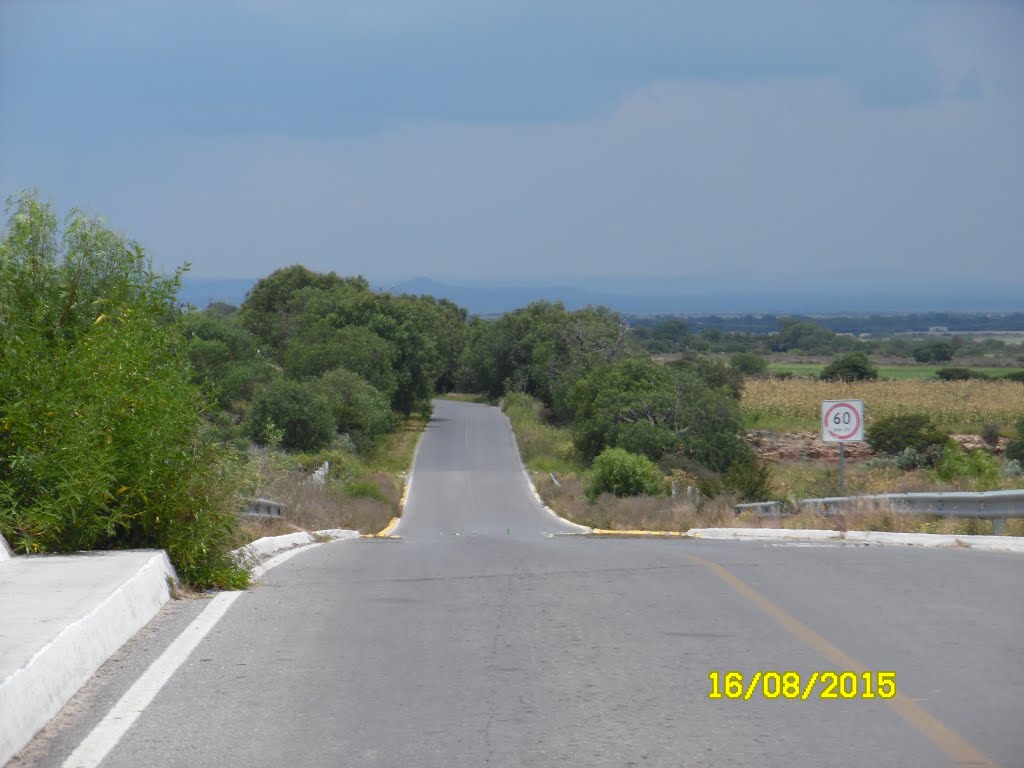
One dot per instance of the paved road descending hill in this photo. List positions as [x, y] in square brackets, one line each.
[503, 646]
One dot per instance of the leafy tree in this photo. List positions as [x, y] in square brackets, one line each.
[225, 355]
[303, 415]
[807, 337]
[853, 366]
[749, 363]
[316, 350]
[934, 352]
[358, 409]
[654, 410]
[269, 308]
[102, 440]
[623, 473]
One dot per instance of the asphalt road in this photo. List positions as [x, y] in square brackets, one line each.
[479, 639]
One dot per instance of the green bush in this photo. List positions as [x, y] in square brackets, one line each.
[1015, 448]
[102, 441]
[894, 434]
[749, 363]
[358, 409]
[622, 473]
[958, 373]
[750, 481]
[1014, 376]
[853, 366]
[978, 469]
[934, 352]
[303, 416]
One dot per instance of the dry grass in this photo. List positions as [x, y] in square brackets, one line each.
[791, 403]
[310, 508]
[661, 513]
[648, 513]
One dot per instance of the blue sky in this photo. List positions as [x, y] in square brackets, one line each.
[813, 144]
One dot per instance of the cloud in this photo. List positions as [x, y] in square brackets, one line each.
[768, 182]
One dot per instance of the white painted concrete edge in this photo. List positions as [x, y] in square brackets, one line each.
[985, 543]
[5, 551]
[33, 694]
[533, 488]
[251, 554]
[55, 673]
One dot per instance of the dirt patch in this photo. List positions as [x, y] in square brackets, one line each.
[805, 446]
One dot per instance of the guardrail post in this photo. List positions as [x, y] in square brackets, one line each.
[997, 525]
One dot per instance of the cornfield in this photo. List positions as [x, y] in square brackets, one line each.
[793, 403]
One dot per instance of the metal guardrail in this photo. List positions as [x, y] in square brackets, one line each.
[996, 506]
[264, 508]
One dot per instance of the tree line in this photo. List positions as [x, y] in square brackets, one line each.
[125, 416]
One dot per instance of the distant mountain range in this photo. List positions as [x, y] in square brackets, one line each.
[648, 299]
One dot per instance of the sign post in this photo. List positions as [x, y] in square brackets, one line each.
[842, 421]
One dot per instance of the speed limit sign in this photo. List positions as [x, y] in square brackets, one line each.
[842, 421]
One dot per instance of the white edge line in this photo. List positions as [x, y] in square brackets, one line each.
[261, 570]
[109, 731]
[105, 736]
[533, 489]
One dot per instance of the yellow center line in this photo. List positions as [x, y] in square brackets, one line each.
[955, 747]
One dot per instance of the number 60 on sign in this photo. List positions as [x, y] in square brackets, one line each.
[842, 421]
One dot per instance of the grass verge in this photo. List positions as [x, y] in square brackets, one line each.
[360, 493]
[547, 449]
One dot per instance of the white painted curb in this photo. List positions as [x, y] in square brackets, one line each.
[33, 694]
[984, 543]
[532, 487]
[257, 550]
[5, 551]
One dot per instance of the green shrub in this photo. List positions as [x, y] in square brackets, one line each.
[359, 409]
[1015, 448]
[910, 458]
[303, 416]
[894, 434]
[750, 481]
[102, 441]
[1014, 376]
[749, 363]
[934, 352]
[622, 473]
[853, 366]
[978, 469]
[958, 373]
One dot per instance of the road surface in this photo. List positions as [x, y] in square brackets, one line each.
[478, 639]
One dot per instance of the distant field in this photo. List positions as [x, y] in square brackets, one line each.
[794, 404]
[885, 371]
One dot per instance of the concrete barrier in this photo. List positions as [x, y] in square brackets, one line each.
[64, 616]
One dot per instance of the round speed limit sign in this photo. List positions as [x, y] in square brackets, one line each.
[842, 421]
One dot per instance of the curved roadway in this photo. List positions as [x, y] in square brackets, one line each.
[504, 646]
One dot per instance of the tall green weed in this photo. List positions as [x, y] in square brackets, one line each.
[102, 441]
